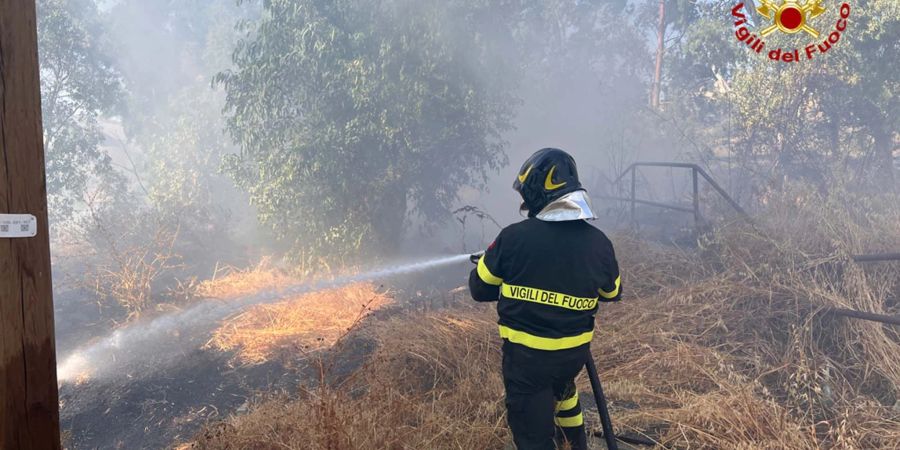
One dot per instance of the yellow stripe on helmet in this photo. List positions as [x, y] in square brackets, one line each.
[548, 182]
[524, 176]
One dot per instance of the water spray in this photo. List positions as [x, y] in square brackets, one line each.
[160, 342]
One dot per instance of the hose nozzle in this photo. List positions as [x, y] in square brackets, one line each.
[474, 257]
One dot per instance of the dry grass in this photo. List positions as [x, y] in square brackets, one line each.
[733, 351]
[721, 347]
[232, 283]
[296, 326]
[431, 383]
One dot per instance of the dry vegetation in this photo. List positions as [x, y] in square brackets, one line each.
[131, 275]
[232, 283]
[291, 328]
[296, 326]
[725, 346]
[431, 383]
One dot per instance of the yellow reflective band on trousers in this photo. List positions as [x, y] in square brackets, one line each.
[544, 343]
[615, 291]
[568, 403]
[485, 274]
[550, 298]
[570, 422]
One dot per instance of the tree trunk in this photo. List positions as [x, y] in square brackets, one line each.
[660, 49]
[886, 178]
[29, 401]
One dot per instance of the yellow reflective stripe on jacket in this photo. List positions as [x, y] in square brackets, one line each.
[570, 422]
[485, 274]
[614, 293]
[544, 343]
[568, 403]
[551, 298]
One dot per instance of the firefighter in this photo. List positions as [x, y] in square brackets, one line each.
[548, 273]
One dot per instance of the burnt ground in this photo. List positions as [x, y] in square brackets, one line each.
[165, 407]
[161, 408]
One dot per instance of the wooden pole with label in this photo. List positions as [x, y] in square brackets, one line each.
[29, 398]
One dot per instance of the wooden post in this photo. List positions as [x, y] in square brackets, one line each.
[29, 399]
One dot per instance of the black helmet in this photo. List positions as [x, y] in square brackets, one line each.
[547, 175]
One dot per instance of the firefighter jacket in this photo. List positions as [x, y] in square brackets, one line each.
[548, 278]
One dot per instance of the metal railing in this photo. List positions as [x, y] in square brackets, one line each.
[697, 172]
[863, 315]
[876, 257]
[855, 314]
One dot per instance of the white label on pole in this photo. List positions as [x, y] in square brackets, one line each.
[17, 225]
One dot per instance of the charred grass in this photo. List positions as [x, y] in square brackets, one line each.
[725, 346]
[297, 326]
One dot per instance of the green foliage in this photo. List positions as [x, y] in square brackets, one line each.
[831, 116]
[168, 52]
[705, 49]
[78, 84]
[350, 114]
[183, 153]
[829, 119]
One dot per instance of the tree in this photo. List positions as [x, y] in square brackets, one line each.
[168, 52]
[872, 85]
[352, 114]
[78, 84]
[665, 16]
[827, 121]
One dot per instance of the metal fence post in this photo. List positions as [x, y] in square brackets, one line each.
[695, 181]
[633, 193]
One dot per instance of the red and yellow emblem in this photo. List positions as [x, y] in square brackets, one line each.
[790, 17]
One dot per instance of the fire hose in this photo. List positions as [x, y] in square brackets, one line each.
[605, 421]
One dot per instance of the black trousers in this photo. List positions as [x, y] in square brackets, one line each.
[542, 404]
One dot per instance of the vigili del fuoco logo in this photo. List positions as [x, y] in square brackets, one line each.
[791, 17]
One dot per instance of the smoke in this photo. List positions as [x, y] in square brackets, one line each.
[577, 80]
[145, 347]
[583, 89]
